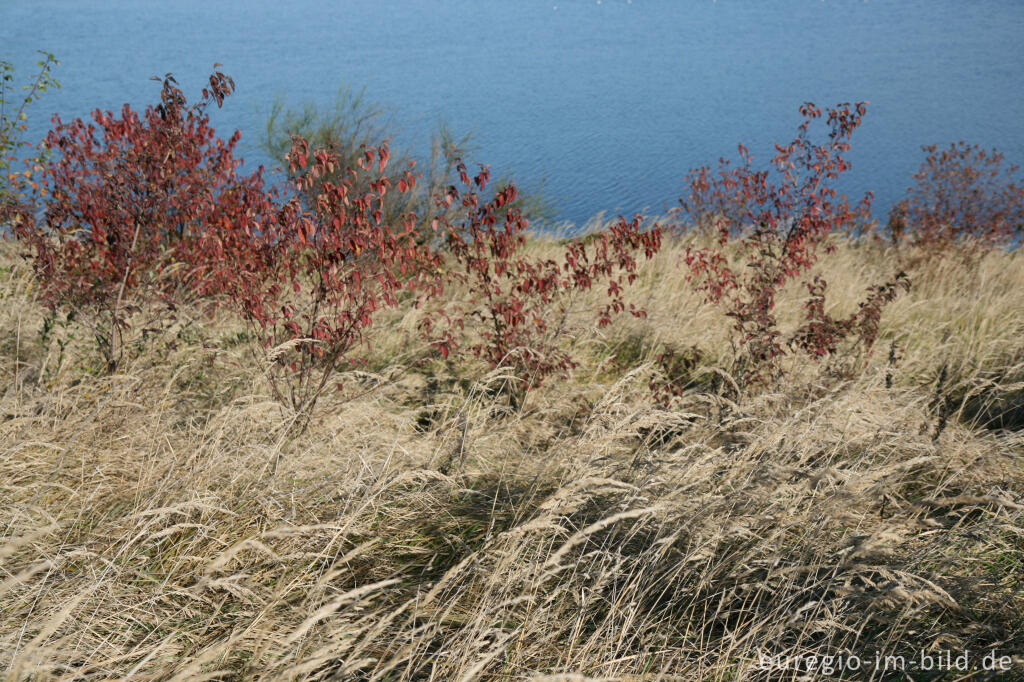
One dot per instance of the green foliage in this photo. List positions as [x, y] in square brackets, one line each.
[354, 123]
[13, 122]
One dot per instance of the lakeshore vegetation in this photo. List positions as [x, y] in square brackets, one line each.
[367, 425]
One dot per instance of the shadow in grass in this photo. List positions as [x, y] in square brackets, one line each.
[438, 538]
[996, 412]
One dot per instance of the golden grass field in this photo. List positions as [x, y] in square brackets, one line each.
[167, 522]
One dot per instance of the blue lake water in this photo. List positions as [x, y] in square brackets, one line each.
[608, 102]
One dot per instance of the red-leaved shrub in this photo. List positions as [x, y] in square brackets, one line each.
[961, 193]
[312, 283]
[773, 223]
[129, 203]
[517, 300]
[846, 339]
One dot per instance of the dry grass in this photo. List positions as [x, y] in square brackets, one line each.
[166, 522]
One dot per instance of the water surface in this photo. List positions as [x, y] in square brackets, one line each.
[609, 102]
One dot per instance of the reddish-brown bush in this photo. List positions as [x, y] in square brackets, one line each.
[776, 220]
[314, 280]
[845, 339]
[961, 193]
[517, 300]
[128, 205]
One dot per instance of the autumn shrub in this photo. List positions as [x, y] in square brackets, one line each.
[768, 227]
[844, 341]
[961, 194]
[312, 282]
[129, 206]
[518, 302]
